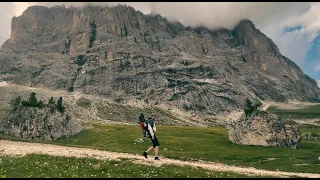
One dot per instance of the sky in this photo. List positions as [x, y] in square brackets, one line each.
[293, 26]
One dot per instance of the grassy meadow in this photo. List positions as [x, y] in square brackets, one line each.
[311, 112]
[182, 142]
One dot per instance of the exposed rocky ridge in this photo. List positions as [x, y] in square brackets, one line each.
[117, 51]
[35, 123]
[265, 129]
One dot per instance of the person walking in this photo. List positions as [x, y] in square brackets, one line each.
[154, 138]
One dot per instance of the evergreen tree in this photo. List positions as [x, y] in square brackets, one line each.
[59, 105]
[51, 101]
[33, 102]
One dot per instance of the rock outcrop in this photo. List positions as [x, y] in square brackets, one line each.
[264, 129]
[35, 123]
[113, 51]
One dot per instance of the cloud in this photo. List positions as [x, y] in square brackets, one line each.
[318, 81]
[293, 44]
[5, 19]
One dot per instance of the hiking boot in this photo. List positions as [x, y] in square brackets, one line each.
[156, 158]
[145, 154]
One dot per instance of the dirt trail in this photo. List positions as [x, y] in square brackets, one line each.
[13, 148]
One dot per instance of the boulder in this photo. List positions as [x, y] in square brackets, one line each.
[264, 129]
[35, 123]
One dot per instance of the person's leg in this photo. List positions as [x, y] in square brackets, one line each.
[150, 148]
[156, 151]
[145, 154]
[156, 144]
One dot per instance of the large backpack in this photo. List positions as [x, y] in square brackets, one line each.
[144, 126]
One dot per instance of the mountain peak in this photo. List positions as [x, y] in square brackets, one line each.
[253, 38]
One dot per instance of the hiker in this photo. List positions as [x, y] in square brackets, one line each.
[154, 138]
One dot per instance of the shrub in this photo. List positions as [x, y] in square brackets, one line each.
[251, 106]
[40, 104]
[14, 103]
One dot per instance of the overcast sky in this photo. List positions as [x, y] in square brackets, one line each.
[293, 26]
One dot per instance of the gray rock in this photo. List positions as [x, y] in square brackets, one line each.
[139, 140]
[264, 129]
[35, 123]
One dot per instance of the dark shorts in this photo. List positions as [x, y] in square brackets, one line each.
[155, 141]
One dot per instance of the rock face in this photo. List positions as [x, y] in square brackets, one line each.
[264, 129]
[117, 51]
[35, 123]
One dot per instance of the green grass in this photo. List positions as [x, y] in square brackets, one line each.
[209, 144]
[309, 128]
[42, 166]
[302, 113]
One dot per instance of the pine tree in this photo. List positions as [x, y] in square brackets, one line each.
[59, 105]
[33, 102]
[51, 101]
[248, 107]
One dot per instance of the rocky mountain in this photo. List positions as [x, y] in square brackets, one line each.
[120, 52]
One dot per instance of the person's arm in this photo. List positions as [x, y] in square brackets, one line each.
[154, 127]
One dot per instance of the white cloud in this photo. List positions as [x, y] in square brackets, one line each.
[5, 19]
[19, 7]
[318, 81]
[294, 44]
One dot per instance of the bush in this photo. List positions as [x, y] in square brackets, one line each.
[32, 102]
[251, 106]
[40, 104]
[52, 108]
[14, 103]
